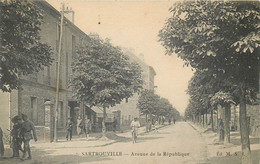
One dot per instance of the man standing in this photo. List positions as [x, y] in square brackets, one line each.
[27, 128]
[135, 125]
[87, 125]
[114, 124]
[69, 128]
[16, 136]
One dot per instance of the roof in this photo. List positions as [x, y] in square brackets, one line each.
[51, 10]
[99, 112]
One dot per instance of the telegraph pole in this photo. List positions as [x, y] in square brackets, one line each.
[58, 77]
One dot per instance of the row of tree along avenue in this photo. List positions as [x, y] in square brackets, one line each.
[152, 104]
[220, 40]
[103, 76]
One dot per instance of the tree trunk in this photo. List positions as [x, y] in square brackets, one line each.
[146, 122]
[203, 120]
[211, 120]
[246, 153]
[221, 130]
[104, 122]
[235, 118]
[206, 119]
[226, 124]
[217, 119]
[221, 124]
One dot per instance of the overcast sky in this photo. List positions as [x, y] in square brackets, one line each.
[136, 25]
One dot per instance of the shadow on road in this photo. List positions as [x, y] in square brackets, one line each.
[46, 157]
[127, 139]
[237, 141]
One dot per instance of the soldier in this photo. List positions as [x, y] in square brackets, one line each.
[16, 136]
[27, 127]
[69, 128]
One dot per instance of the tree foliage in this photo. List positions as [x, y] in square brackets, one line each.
[151, 103]
[221, 37]
[216, 35]
[21, 50]
[103, 75]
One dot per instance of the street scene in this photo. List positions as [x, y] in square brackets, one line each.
[151, 82]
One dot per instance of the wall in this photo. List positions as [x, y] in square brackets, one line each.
[5, 114]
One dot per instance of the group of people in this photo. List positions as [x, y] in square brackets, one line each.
[83, 127]
[22, 132]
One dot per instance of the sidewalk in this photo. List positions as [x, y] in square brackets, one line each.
[230, 153]
[81, 142]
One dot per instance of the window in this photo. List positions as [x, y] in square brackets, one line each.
[60, 117]
[34, 112]
[67, 70]
[57, 37]
[73, 44]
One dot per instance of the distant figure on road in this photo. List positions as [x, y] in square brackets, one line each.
[114, 124]
[87, 127]
[156, 126]
[135, 125]
[169, 121]
[27, 128]
[69, 128]
[2, 149]
[174, 121]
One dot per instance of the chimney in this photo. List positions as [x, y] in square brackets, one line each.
[69, 14]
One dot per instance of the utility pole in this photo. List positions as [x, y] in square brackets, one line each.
[58, 77]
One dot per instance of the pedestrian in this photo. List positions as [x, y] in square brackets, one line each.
[2, 149]
[78, 125]
[174, 121]
[114, 124]
[27, 128]
[156, 126]
[16, 136]
[135, 125]
[86, 127]
[82, 126]
[169, 121]
[69, 128]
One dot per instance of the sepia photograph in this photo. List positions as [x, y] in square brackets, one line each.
[129, 82]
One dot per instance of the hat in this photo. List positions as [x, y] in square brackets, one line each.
[16, 118]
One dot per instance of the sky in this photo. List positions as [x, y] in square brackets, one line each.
[135, 24]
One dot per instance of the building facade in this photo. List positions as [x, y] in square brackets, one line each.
[39, 88]
[37, 97]
[128, 108]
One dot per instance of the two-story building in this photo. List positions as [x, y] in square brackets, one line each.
[39, 88]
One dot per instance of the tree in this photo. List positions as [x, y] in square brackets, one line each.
[151, 103]
[147, 102]
[103, 75]
[21, 50]
[222, 37]
[224, 99]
